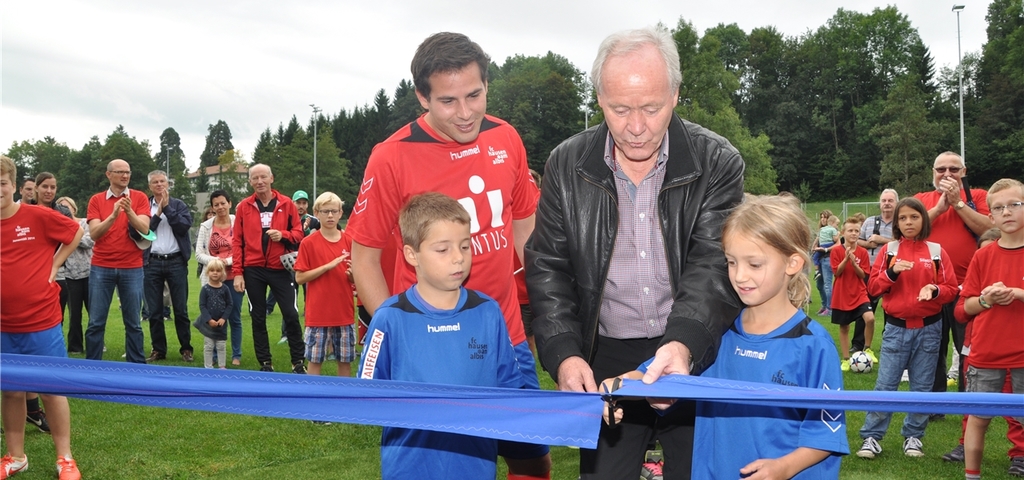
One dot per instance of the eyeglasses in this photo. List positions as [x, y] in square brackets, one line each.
[1009, 207]
[951, 169]
[330, 212]
[120, 172]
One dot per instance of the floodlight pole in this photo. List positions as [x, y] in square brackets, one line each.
[960, 69]
[316, 118]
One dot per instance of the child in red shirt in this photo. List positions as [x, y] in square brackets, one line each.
[850, 265]
[993, 292]
[330, 313]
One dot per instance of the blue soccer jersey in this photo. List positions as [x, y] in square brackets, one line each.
[729, 436]
[410, 340]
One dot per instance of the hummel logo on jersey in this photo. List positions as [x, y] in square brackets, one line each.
[444, 328]
[465, 153]
[751, 353]
[366, 186]
[359, 206]
[499, 155]
[833, 422]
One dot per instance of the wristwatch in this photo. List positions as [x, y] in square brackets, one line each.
[959, 205]
[983, 303]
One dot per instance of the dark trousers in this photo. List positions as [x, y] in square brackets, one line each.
[77, 296]
[620, 451]
[956, 330]
[257, 279]
[174, 272]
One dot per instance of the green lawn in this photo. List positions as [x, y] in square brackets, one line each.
[123, 441]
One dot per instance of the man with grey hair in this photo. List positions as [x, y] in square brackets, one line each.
[958, 216]
[267, 226]
[166, 261]
[626, 262]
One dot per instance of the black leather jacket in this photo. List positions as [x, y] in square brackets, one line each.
[568, 256]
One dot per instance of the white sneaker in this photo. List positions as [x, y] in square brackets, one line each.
[912, 447]
[906, 377]
[869, 448]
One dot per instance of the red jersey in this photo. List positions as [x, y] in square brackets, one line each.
[950, 231]
[29, 302]
[329, 296]
[997, 340]
[488, 176]
[900, 292]
[849, 291]
[116, 249]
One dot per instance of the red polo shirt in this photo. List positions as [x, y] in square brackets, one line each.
[116, 249]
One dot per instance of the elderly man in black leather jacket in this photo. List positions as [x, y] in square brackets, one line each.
[625, 262]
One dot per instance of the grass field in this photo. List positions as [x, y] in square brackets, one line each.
[115, 441]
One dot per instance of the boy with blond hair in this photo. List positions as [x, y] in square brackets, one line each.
[330, 313]
[31, 314]
[438, 331]
[993, 292]
[850, 266]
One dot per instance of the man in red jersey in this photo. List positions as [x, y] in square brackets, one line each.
[958, 217]
[114, 216]
[456, 149]
[30, 313]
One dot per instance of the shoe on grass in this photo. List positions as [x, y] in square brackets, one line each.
[283, 340]
[912, 447]
[1016, 467]
[845, 365]
[950, 382]
[187, 356]
[267, 367]
[299, 368]
[871, 354]
[9, 466]
[956, 455]
[236, 361]
[38, 418]
[67, 469]
[869, 448]
[155, 355]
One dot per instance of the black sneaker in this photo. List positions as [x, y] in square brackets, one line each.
[299, 368]
[266, 367]
[38, 418]
[956, 455]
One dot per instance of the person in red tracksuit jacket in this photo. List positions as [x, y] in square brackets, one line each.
[914, 282]
[267, 225]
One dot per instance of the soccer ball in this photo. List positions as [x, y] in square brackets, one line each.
[860, 362]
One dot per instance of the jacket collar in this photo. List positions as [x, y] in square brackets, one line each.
[680, 168]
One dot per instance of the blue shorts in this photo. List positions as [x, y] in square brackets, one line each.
[46, 343]
[340, 339]
[518, 450]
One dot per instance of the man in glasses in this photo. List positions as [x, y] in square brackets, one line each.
[116, 261]
[958, 217]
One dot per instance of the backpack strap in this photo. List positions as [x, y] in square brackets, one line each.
[878, 223]
[935, 251]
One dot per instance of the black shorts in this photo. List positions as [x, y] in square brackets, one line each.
[846, 317]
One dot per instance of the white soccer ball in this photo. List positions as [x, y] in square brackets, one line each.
[860, 362]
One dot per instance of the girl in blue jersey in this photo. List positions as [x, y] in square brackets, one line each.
[772, 341]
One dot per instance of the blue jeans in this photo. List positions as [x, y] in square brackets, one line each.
[826, 279]
[174, 272]
[102, 282]
[914, 350]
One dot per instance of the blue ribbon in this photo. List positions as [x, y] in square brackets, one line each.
[533, 416]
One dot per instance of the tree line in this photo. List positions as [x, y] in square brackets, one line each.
[838, 112]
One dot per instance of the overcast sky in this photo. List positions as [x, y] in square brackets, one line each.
[74, 69]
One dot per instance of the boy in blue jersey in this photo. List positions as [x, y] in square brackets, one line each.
[437, 331]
